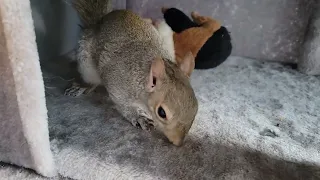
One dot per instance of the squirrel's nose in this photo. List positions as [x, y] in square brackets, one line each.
[175, 136]
[178, 142]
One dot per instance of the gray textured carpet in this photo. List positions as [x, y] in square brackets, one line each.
[256, 121]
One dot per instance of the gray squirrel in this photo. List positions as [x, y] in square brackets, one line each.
[122, 52]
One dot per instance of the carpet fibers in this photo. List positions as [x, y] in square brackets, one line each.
[256, 121]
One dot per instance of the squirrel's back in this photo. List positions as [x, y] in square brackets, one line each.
[118, 27]
[127, 24]
[96, 14]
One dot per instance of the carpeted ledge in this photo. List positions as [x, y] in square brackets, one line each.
[256, 121]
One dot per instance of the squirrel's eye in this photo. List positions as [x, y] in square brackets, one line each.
[162, 113]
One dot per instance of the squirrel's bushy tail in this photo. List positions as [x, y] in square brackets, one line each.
[92, 11]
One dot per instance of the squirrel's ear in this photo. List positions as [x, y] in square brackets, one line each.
[156, 72]
[187, 64]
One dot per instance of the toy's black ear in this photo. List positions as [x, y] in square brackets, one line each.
[177, 20]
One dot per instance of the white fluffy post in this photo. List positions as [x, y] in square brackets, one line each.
[24, 136]
[309, 63]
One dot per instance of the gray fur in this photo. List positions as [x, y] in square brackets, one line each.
[117, 52]
[92, 11]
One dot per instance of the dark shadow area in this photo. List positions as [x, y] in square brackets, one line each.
[28, 173]
[90, 124]
[56, 27]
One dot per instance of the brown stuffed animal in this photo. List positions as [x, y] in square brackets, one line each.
[190, 40]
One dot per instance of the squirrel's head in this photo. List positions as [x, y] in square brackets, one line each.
[172, 101]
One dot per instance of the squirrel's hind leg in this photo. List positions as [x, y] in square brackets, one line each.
[88, 71]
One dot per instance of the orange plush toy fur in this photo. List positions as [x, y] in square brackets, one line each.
[190, 40]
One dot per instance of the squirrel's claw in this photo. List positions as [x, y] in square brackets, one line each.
[143, 123]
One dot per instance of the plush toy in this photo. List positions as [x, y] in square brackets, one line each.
[209, 42]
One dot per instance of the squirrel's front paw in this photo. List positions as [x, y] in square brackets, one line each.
[75, 90]
[143, 123]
